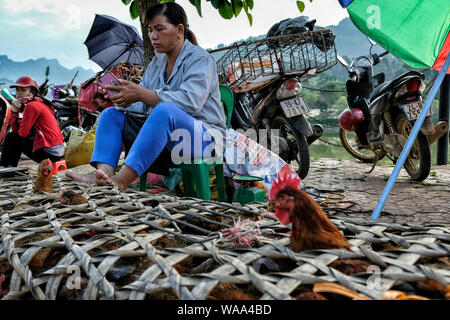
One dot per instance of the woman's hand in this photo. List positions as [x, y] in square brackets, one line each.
[129, 92]
[15, 105]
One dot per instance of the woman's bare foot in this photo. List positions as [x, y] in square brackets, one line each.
[104, 176]
[116, 181]
[102, 179]
[87, 178]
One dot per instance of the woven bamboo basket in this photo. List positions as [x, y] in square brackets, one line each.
[135, 245]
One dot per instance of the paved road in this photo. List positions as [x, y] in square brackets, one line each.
[409, 202]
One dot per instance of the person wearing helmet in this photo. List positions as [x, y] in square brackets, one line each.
[35, 131]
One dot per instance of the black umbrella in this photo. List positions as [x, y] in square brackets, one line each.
[110, 42]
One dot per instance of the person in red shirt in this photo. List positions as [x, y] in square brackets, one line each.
[35, 131]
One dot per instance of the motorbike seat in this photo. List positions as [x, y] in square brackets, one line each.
[383, 88]
[379, 90]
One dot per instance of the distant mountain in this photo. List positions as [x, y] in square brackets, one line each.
[350, 41]
[11, 70]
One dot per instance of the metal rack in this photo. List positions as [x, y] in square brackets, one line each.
[251, 64]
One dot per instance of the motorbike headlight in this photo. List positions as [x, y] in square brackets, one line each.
[290, 88]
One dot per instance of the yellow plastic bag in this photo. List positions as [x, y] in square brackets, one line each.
[79, 147]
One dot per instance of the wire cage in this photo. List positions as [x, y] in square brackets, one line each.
[251, 64]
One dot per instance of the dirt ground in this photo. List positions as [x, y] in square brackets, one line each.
[426, 202]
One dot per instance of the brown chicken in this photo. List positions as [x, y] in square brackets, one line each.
[71, 198]
[310, 296]
[229, 291]
[311, 228]
[44, 177]
[350, 266]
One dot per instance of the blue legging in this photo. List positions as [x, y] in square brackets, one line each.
[154, 136]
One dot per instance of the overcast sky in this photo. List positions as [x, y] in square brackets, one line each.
[56, 29]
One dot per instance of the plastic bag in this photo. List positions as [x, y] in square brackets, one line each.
[80, 147]
[244, 156]
[87, 96]
[173, 179]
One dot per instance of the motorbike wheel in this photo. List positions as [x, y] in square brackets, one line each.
[298, 146]
[418, 162]
[63, 126]
[351, 143]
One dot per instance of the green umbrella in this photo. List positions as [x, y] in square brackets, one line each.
[415, 31]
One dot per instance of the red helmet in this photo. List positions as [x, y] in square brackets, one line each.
[25, 82]
[349, 119]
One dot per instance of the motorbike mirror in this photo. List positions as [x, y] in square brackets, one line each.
[342, 61]
[47, 70]
[372, 42]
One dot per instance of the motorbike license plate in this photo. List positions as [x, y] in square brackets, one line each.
[294, 107]
[412, 110]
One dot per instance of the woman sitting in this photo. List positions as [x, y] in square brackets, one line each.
[180, 87]
[35, 131]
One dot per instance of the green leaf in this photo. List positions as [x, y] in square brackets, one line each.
[162, 1]
[237, 7]
[134, 11]
[198, 5]
[250, 18]
[226, 10]
[301, 6]
[250, 4]
[126, 2]
[216, 3]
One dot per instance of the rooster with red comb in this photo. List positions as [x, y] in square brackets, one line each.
[311, 228]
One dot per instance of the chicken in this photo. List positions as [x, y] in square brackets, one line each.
[71, 198]
[310, 296]
[311, 228]
[44, 177]
[3, 292]
[350, 266]
[435, 289]
[229, 291]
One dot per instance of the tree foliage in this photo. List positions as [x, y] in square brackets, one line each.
[226, 8]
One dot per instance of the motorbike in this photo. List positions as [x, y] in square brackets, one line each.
[381, 115]
[266, 77]
[68, 113]
[279, 105]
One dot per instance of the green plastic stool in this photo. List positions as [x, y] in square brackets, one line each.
[196, 174]
[196, 178]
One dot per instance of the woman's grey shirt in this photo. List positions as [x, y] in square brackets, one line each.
[193, 86]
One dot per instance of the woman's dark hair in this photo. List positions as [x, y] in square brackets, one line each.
[175, 14]
[34, 92]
